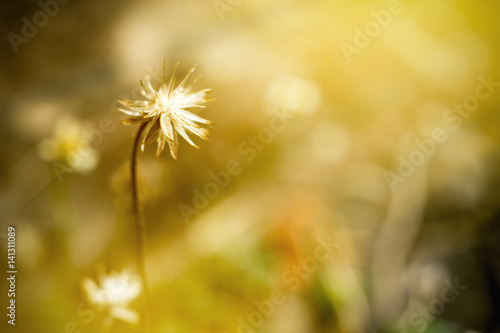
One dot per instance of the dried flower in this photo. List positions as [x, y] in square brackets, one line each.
[114, 292]
[164, 110]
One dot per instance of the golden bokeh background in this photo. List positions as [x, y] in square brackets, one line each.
[341, 179]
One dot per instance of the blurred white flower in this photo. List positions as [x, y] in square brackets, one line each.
[113, 293]
[70, 146]
[164, 109]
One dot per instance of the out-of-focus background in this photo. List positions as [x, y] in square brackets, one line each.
[350, 183]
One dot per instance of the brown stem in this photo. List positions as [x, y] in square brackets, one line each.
[140, 227]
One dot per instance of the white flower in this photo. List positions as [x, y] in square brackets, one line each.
[113, 293]
[165, 112]
[69, 146]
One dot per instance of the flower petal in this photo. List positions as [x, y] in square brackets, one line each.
[180, 86]
[148, 88]
[174, 146]
[171, 82]
[128, 103]
[167, 127]
[133, 121]
[198, 131]
[180, 129]
[124, 314]
[130, 112]
[193, 117]
[161, 143]
[146, 132]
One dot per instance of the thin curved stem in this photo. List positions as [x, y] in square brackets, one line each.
[140, 227]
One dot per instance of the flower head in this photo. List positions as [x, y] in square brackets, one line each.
[164, 109]
[69, 147]
[114, 292]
